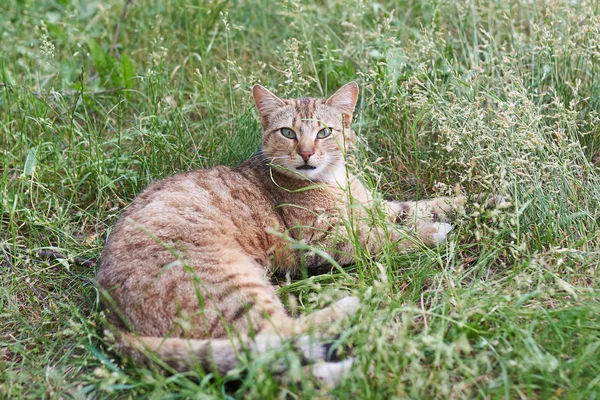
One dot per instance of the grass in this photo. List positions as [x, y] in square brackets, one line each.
[479, 95]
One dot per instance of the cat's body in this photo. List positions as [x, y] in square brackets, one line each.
[190, 259]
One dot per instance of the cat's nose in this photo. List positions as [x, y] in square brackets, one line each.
[305, 154]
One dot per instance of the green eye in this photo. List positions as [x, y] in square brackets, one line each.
[323, 133]
[288, 133]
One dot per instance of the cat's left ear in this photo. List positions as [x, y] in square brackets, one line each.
[345, 100]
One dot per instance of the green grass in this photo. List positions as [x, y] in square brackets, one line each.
[478, 95]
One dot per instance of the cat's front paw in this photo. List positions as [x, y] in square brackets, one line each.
[442, 232]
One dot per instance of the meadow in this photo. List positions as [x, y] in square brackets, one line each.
[100, 98]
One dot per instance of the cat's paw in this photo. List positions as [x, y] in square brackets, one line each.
[349, 305]
[330, 373]
[442, 232]
[324, 318]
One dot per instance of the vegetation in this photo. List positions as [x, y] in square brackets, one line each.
[99, 98]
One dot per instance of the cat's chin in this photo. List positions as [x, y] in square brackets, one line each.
[332, 174]
[310, 172]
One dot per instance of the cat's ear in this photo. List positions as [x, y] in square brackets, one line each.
[345, 100]
[265, 101]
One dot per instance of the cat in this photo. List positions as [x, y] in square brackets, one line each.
[189, 259]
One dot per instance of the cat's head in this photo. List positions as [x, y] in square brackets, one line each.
[308, 137]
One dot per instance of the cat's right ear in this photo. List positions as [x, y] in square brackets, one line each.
[266, 102]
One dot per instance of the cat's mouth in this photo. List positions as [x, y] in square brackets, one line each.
[306, 166]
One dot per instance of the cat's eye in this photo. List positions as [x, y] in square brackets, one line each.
[323, 133]
[288, 133]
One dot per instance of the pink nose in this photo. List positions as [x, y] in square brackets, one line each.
[305, 154]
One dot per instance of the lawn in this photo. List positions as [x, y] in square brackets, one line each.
[98, 98]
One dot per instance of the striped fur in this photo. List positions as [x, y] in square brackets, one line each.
[188, 263]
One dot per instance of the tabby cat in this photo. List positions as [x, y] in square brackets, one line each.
[188, 263]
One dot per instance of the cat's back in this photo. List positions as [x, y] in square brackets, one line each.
[195, 196]
[203, 209]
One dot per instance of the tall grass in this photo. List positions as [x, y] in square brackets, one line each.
[473, 97]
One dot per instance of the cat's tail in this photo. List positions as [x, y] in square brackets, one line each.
[223, 355]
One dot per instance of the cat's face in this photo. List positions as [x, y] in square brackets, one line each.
[308, 137]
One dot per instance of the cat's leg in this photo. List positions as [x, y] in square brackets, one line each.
[317, 320]
[427, 218]
[312, 341]
[427, 233]
[327, 367]
[432, 233]
[437, 209]
[343, 308]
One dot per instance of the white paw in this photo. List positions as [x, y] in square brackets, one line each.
[331, 372]
[442, 232]
[349, 305]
